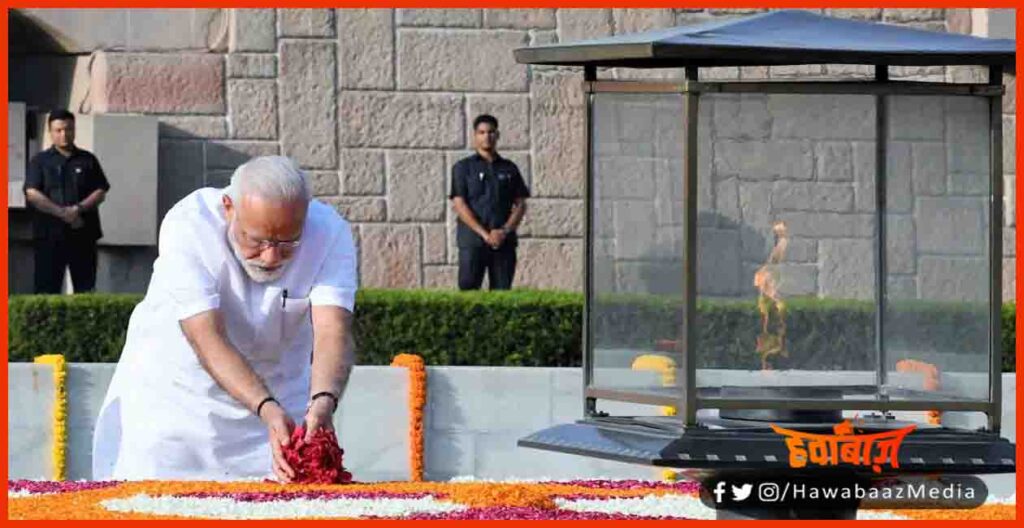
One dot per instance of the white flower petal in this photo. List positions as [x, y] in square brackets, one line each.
[1012, 499]
[879, 515]
[23, 493]
[227, 508]
[686, 506]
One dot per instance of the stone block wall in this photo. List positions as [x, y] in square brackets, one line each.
[805, 160]
[377, 104]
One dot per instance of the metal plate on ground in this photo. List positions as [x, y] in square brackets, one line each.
[647, 442]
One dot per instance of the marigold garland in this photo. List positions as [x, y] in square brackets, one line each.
[417, 403]
[60, 412]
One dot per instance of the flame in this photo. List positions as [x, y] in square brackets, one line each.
[931, 381]
[772, 339]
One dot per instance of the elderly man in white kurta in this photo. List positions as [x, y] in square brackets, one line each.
[245, 325]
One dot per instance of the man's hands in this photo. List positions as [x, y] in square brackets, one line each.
[72, 215]
[495, 238]
[320, 415]
[279, 429]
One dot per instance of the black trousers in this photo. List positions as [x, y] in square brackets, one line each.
[499, 264]
[52, 257]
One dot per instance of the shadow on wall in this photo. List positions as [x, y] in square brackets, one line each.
[35, 55]
[25, 36]
[728, 254]
[448, 451]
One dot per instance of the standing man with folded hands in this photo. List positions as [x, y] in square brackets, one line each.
[65, 186]
[489, 196]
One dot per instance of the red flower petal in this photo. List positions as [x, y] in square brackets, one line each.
[316, 462]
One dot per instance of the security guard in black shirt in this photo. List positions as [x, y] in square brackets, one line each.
[65, 186]
[489, 197]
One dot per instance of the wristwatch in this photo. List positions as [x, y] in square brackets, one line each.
[506, 230]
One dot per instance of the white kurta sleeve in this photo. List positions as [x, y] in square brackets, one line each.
[336, 282]
[181, 271]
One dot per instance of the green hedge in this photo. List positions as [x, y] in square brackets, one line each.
[519, 327]
[534, 328]
[823, 334]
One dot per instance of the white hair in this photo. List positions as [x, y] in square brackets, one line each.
[276, 178]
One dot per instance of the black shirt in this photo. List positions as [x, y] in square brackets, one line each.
[65, 181]
[489, 189]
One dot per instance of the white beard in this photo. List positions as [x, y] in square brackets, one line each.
[253, 268]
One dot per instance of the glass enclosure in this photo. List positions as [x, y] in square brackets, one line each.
[789, 275]
[937, 247]
[786, 282]
[637, 190]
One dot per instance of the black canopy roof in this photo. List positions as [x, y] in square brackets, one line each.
[776, 38]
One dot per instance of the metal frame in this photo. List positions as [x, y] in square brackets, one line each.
[881, 267]
[817, 87]
[995, 382]
[652, 398]
[688, 334]
[866, 405]
[688, 401]
[589, 403]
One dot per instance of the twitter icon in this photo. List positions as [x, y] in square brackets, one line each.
[740, 493]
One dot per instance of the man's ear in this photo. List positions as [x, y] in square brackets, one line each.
[229, 206]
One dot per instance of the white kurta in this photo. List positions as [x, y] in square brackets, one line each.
[164, 417]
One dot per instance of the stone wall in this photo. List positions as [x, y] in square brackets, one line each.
[377, 105]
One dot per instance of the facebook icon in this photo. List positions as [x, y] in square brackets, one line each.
[719, 490]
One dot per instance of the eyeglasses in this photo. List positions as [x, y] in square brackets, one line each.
[263, 245]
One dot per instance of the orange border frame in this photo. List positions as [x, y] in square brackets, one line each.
[505, 4]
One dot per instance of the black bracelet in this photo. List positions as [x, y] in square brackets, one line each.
[325, 393]
[265, 401]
